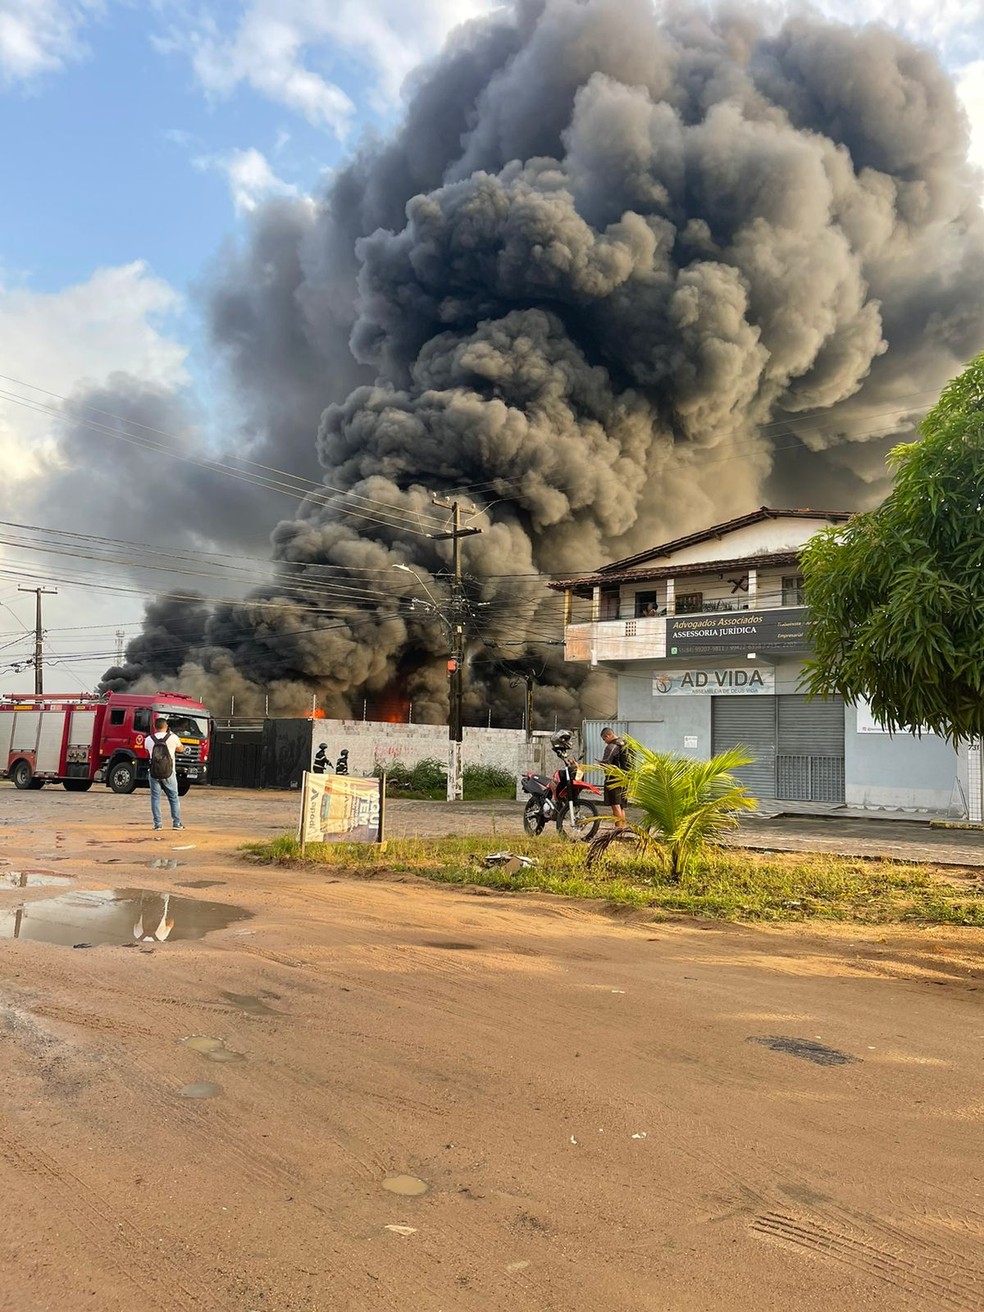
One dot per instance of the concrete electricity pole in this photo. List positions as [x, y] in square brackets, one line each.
[39, 634]
[457, 634]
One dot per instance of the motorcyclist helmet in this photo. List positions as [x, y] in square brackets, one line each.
[561, 740]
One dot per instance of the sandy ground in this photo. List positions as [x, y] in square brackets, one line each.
[586, 1097]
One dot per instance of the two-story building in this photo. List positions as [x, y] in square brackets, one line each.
[707, 636]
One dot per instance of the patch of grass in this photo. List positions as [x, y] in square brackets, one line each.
[483, 783]
[726, 883]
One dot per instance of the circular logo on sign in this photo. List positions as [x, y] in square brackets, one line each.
[662, 683]
[139, 740]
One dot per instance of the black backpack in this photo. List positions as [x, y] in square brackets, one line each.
[161, 761]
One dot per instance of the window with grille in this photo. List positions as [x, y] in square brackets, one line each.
[792, 590]
[687, 601]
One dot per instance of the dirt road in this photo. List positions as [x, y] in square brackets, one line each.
[606, 1113]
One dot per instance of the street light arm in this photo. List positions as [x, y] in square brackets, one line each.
[407, 570]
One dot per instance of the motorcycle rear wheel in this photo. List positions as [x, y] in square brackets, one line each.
[583, 829]
[533, 821]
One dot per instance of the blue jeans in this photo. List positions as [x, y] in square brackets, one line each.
[170, 786]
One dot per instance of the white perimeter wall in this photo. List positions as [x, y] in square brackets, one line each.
[370, 744]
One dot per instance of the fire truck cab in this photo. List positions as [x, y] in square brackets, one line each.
[78, 740]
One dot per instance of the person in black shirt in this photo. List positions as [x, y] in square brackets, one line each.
[616, 755]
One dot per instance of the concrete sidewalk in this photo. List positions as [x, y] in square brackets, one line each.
[863, 834]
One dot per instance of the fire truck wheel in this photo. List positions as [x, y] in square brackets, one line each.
[22, 775]
[122, 777]
[77, 785]
[183, 786]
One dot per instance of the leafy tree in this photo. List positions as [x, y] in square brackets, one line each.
[685, 804]
[897, 595]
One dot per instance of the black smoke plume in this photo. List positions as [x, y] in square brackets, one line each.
[620, 274]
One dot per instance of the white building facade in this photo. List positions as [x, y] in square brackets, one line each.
[707, 637]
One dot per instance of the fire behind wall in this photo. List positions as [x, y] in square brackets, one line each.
[617, 276]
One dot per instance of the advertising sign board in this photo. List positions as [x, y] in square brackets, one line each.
[341, 809]
[719, 633]
[732, 681]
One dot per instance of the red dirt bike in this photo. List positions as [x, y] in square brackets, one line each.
[565, 799]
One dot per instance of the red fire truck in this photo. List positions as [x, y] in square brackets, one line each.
[78, 740]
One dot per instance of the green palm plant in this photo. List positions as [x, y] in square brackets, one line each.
[685, 804]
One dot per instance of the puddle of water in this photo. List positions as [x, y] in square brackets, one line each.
[201, 1043]
[200, 883]
[117, 915]
[211, 1049]
[249, 1002]
[408, 1186]
[162, 863]
[203, 1090]
[451, 947]
[31, 878]
[808, 1049]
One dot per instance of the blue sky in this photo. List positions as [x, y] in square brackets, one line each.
[140, 134]
[121, 155]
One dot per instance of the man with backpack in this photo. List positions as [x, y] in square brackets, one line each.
[162, 748]
[616, 754]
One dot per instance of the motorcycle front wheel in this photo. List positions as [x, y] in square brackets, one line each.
[583, 829]
[533, 818]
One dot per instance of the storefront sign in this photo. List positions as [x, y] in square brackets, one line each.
[718, 632]
[733, 681]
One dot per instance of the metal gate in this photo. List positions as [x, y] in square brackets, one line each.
[593, 749]
[237, 758]
[748, 722]
[810, 755]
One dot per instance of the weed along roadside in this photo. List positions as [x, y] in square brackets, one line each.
[728, 883]
[669, 857]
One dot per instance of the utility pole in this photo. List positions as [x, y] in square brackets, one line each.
[457, 635]
[120, 640]
[39, 635]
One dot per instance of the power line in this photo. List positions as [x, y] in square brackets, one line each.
[373, 512]
[299, 479]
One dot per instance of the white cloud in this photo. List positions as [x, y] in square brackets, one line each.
[278, 45]
[39, 36]
[77, 336]
[970, 89]
[250, 177]
[62, 341]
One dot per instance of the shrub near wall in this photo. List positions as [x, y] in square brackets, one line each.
[428, 780]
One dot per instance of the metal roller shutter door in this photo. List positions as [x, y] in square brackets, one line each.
[810, 762]
[748, 722]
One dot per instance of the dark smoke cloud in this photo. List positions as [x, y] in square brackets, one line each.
[626, 274]
[170, 629]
